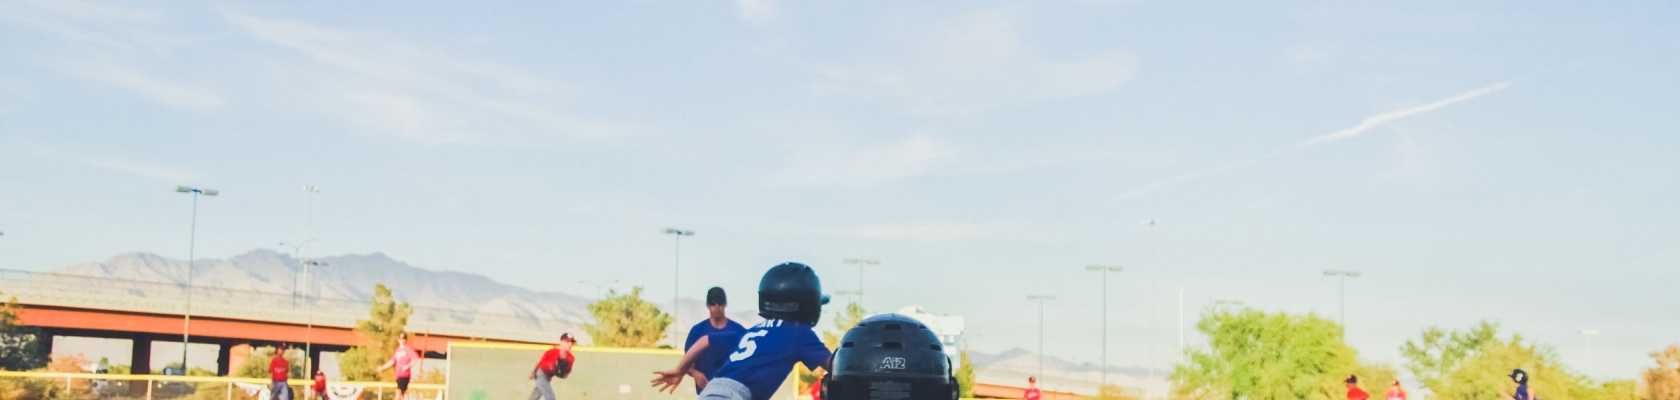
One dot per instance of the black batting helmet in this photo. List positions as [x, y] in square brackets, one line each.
[890, 356]
[791, 291]
[1519, 376]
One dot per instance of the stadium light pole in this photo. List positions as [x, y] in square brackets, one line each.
[676, 265]
[1104, 270]
[1220, 304]
[1341, 276]
[860, 263]
[857, 295]
[309, 311]
[297, 253]
[192, 237]
[1040, 299]
[308, 237]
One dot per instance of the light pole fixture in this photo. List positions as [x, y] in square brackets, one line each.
[860, 263]
[1104, 270]
[309, 310]
[1040, 299]
[1341, 275]
[676, 265]
[192, 237]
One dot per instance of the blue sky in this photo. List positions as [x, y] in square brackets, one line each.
[1498, 160]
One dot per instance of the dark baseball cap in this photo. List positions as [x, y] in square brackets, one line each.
[715, 296]
[567, 337]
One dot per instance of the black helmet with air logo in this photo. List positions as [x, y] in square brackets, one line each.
[890, 357]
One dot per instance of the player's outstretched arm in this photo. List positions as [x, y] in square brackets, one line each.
[699, 378]
[814, 354]
[667, 381]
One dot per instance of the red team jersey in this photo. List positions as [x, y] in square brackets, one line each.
[1355, 393]
[1031, 394]
[278, 369]
[552, 357]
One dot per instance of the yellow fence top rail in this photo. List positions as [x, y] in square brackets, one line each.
[581, 349]
[193, 379]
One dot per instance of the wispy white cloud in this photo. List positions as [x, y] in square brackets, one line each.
[976, 62]
[169, 92]
[110, 43]
[913, 156]
[1364, 126]
[756, 11]
[137, 168]
[1388, 117]
[96, 26]
[929, 232]
[389, 85]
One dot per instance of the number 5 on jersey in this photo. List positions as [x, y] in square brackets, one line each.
[747, 346]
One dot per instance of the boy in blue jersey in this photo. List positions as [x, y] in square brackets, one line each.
[760, 358]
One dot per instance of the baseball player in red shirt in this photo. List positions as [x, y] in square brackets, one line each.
[320, 385]
[1032, 389]
[279, 370]
[557, 361]
[1354, 392]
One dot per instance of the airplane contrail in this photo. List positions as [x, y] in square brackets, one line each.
[1364, 125]
[1396, 115]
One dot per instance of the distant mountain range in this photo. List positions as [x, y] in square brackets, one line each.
[1013, 366]
[350, 279]
[448, 295]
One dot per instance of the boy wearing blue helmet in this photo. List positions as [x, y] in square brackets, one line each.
[759, 359]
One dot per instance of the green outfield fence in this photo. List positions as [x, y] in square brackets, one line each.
[72, 385]
[495, 371]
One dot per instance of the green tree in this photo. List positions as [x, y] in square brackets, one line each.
[1375, 377]
[1663, 380]
[843, 321]
[1437, 352]
[965, 376]
[1483, 373]
[256, 364]
[1625, 389]
[1257, 355]
[625, 320]
[1474, 364]
[387, 319]
[20, 347]
[1115, 392]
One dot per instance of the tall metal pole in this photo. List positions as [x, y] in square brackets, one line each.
[308, 280]
[192, 241]
[186, 317]
[860, 263]
[1341, 295]
[309, 312]
[676, 266]
[1040, 298]
[1104, 270]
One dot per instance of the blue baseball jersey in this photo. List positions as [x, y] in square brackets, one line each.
[1522, 392]
[709, 362]
[762, 356]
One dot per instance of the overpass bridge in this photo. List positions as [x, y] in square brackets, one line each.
[147, 311]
